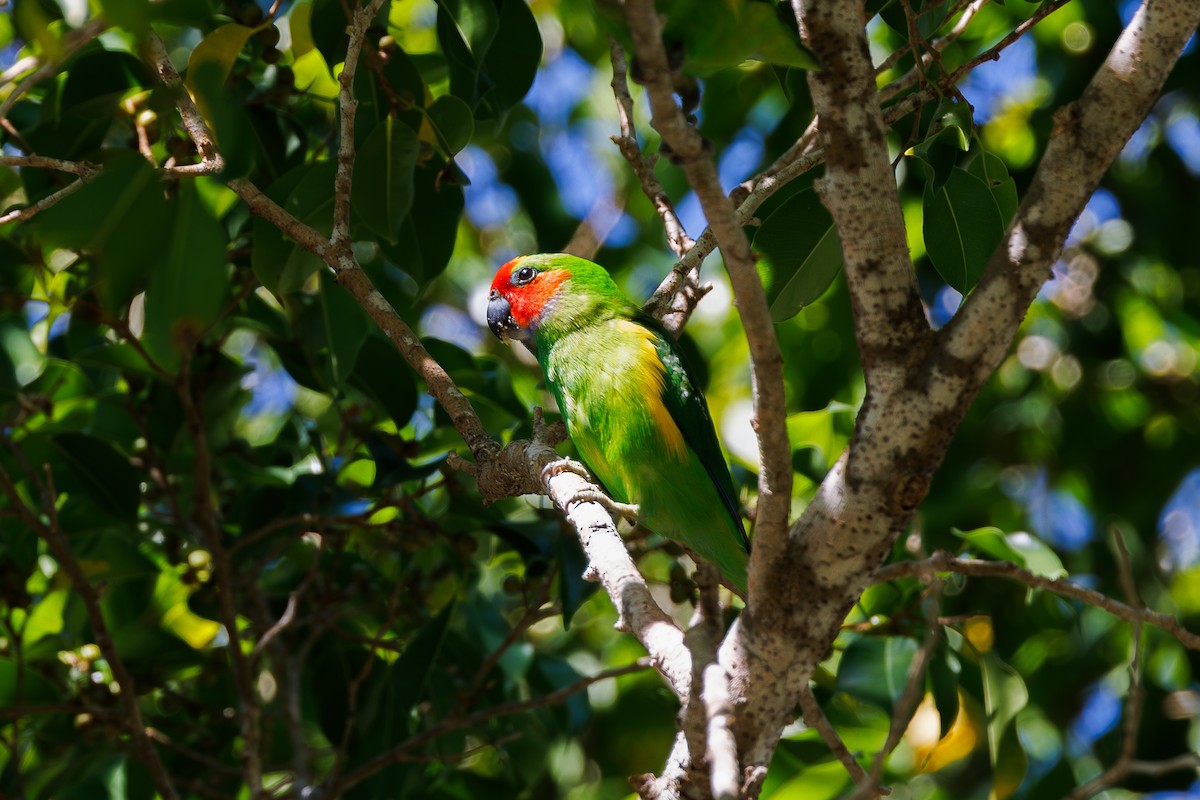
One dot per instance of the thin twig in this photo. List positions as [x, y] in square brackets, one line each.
[348, 105]
[906, 704]
[403, 753]
[205, 516]
[643, 164]
[814, 717]
[1117, 771]
[944, 562]
[50, 533]
[534, 614]
[23, 214]
[766, 361]
[70, 45]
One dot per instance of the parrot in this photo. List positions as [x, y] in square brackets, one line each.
[637, 418]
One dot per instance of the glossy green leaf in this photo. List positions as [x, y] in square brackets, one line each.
[513, 57]
[426, 237]
[187, 289]
[944, 673]
[382, 374]
[476, 20]
[220, 49]
[962, 228]
[20, 361]
[382, 192]
[102, 473]
[132, 15]
[1004, 695]
[875, 668]
[121, 217]
[452, 123]
[992, 170]
[307, 193]
[799, 252]
[1020, 548]
[334, 327]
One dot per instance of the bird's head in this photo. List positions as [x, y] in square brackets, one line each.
[547, 293]
[522, 291]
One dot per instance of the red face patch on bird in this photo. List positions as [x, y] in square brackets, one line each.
[519, 294]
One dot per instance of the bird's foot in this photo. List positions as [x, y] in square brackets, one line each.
[588, 493]
[559, 466]
[627, 510]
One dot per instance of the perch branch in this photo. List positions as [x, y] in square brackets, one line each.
[766, 361]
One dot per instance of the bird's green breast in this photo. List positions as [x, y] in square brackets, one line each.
[608, 381]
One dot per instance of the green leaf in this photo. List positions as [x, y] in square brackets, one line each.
[875, 668]
[20, 360]
[426, 238]
[944, 672]
[307, 193]
[382, 192]
[120, 217]
[383, 375]
[219, 49]
[1036, 555]
[334, 328]
[573, 590]
[477, 22]
[132, 15]
[992, 541]
[452, 123]
[1020, 548]
[992, 170]
[963, 227]
[36, 690]
[186, 290]
[101, 472]
[799, 254]
[389, 697]
[420, 657]
[1004, 694]
[513, 57]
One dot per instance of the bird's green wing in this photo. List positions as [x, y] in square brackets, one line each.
[688, 409]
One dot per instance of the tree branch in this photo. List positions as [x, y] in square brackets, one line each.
[766, 362]
[941, 561]
[347, 107]
[814, 717]
[205, 518]
[858, 189]
[52, 535]
[642, 164]
[1088, 135]
[902, 434]
[403, 753]
[71, 44]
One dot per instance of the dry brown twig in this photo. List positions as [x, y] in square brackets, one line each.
[49, 531]
[945, 562]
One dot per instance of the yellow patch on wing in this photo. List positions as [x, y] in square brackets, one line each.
[652, 379]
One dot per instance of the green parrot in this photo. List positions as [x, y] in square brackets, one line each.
[634, 413]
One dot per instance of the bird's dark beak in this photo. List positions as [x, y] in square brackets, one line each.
[499, 317]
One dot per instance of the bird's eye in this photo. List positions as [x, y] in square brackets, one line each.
[524, 275]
